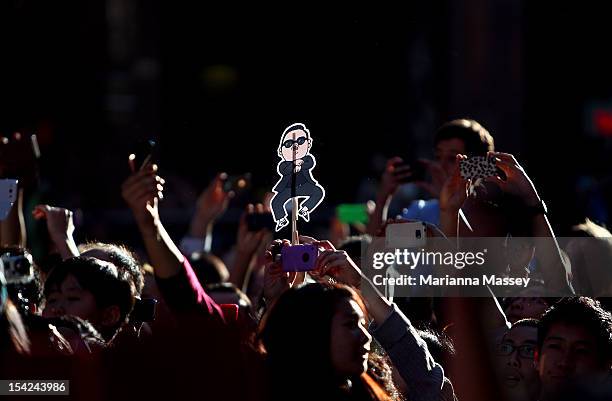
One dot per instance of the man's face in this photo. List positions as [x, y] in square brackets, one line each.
[446, 151]
[569, 353]
[297, 142]
[515, 355]
[69, 298]
[350, 340]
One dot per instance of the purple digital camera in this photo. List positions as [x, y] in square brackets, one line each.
[299, 258]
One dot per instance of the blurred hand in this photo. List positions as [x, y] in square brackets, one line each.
[454, 190]
[517, 181]
[249, 242]
[438, 178]
[59, 221]
[213, 202]
[392, 176]
[141, 191]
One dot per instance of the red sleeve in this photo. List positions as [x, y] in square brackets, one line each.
[184, 293]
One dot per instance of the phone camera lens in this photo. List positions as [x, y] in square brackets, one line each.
[418, 234]
[305, 257]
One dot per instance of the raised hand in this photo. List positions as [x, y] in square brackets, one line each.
[517, 181]
[61, 228]
[141, 191]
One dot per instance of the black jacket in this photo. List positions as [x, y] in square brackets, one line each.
[302, 177]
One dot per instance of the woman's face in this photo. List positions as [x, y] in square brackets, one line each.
[350, 341]
[69, 298]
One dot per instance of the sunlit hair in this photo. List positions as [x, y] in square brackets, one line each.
[478, 141]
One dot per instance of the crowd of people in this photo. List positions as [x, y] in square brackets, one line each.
[179, 322]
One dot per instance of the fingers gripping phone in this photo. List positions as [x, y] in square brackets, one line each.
[237, 183]
[297, 258]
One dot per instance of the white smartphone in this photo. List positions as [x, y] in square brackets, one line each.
[406, 235]
[8, 196]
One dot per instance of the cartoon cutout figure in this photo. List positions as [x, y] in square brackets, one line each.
[294, 150]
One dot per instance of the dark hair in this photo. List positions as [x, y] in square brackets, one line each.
[303, 316]
[439, 344]
[533, 323]
[353, 246]
[243, 300]
[108, 284]
[123, 258]
[293, 127]
[526, 323]
[586, 313]
[478, 141]
[208, 268]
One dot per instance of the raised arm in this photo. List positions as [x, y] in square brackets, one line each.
[60, 227]
[390, 181]
[142, 191]
[211, 205]
[555, 268]
[176, 279]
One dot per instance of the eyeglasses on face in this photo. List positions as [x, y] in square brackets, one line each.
[525, 351]
[289, 142]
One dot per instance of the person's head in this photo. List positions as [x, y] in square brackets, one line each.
[209, 268]
[525, 307]
[329, 320]
[296, 138]
[515, 356]
[228, 293]
[120, 256]
[590, 251]
[354, 246]
[461, 136]
[91, 289]
[574, 343]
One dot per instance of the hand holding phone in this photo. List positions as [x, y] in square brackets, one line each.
[8, 196]
[143, 153]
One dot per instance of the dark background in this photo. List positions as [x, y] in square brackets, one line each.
[216, 87]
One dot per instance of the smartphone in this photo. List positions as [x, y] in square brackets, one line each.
[8, 196]
[299, 258]
[18, 265]
[351, 213]
[259, 221]
[479, 167]
[406, 235]
[237, 183]
[144, 152]
[417, 168]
